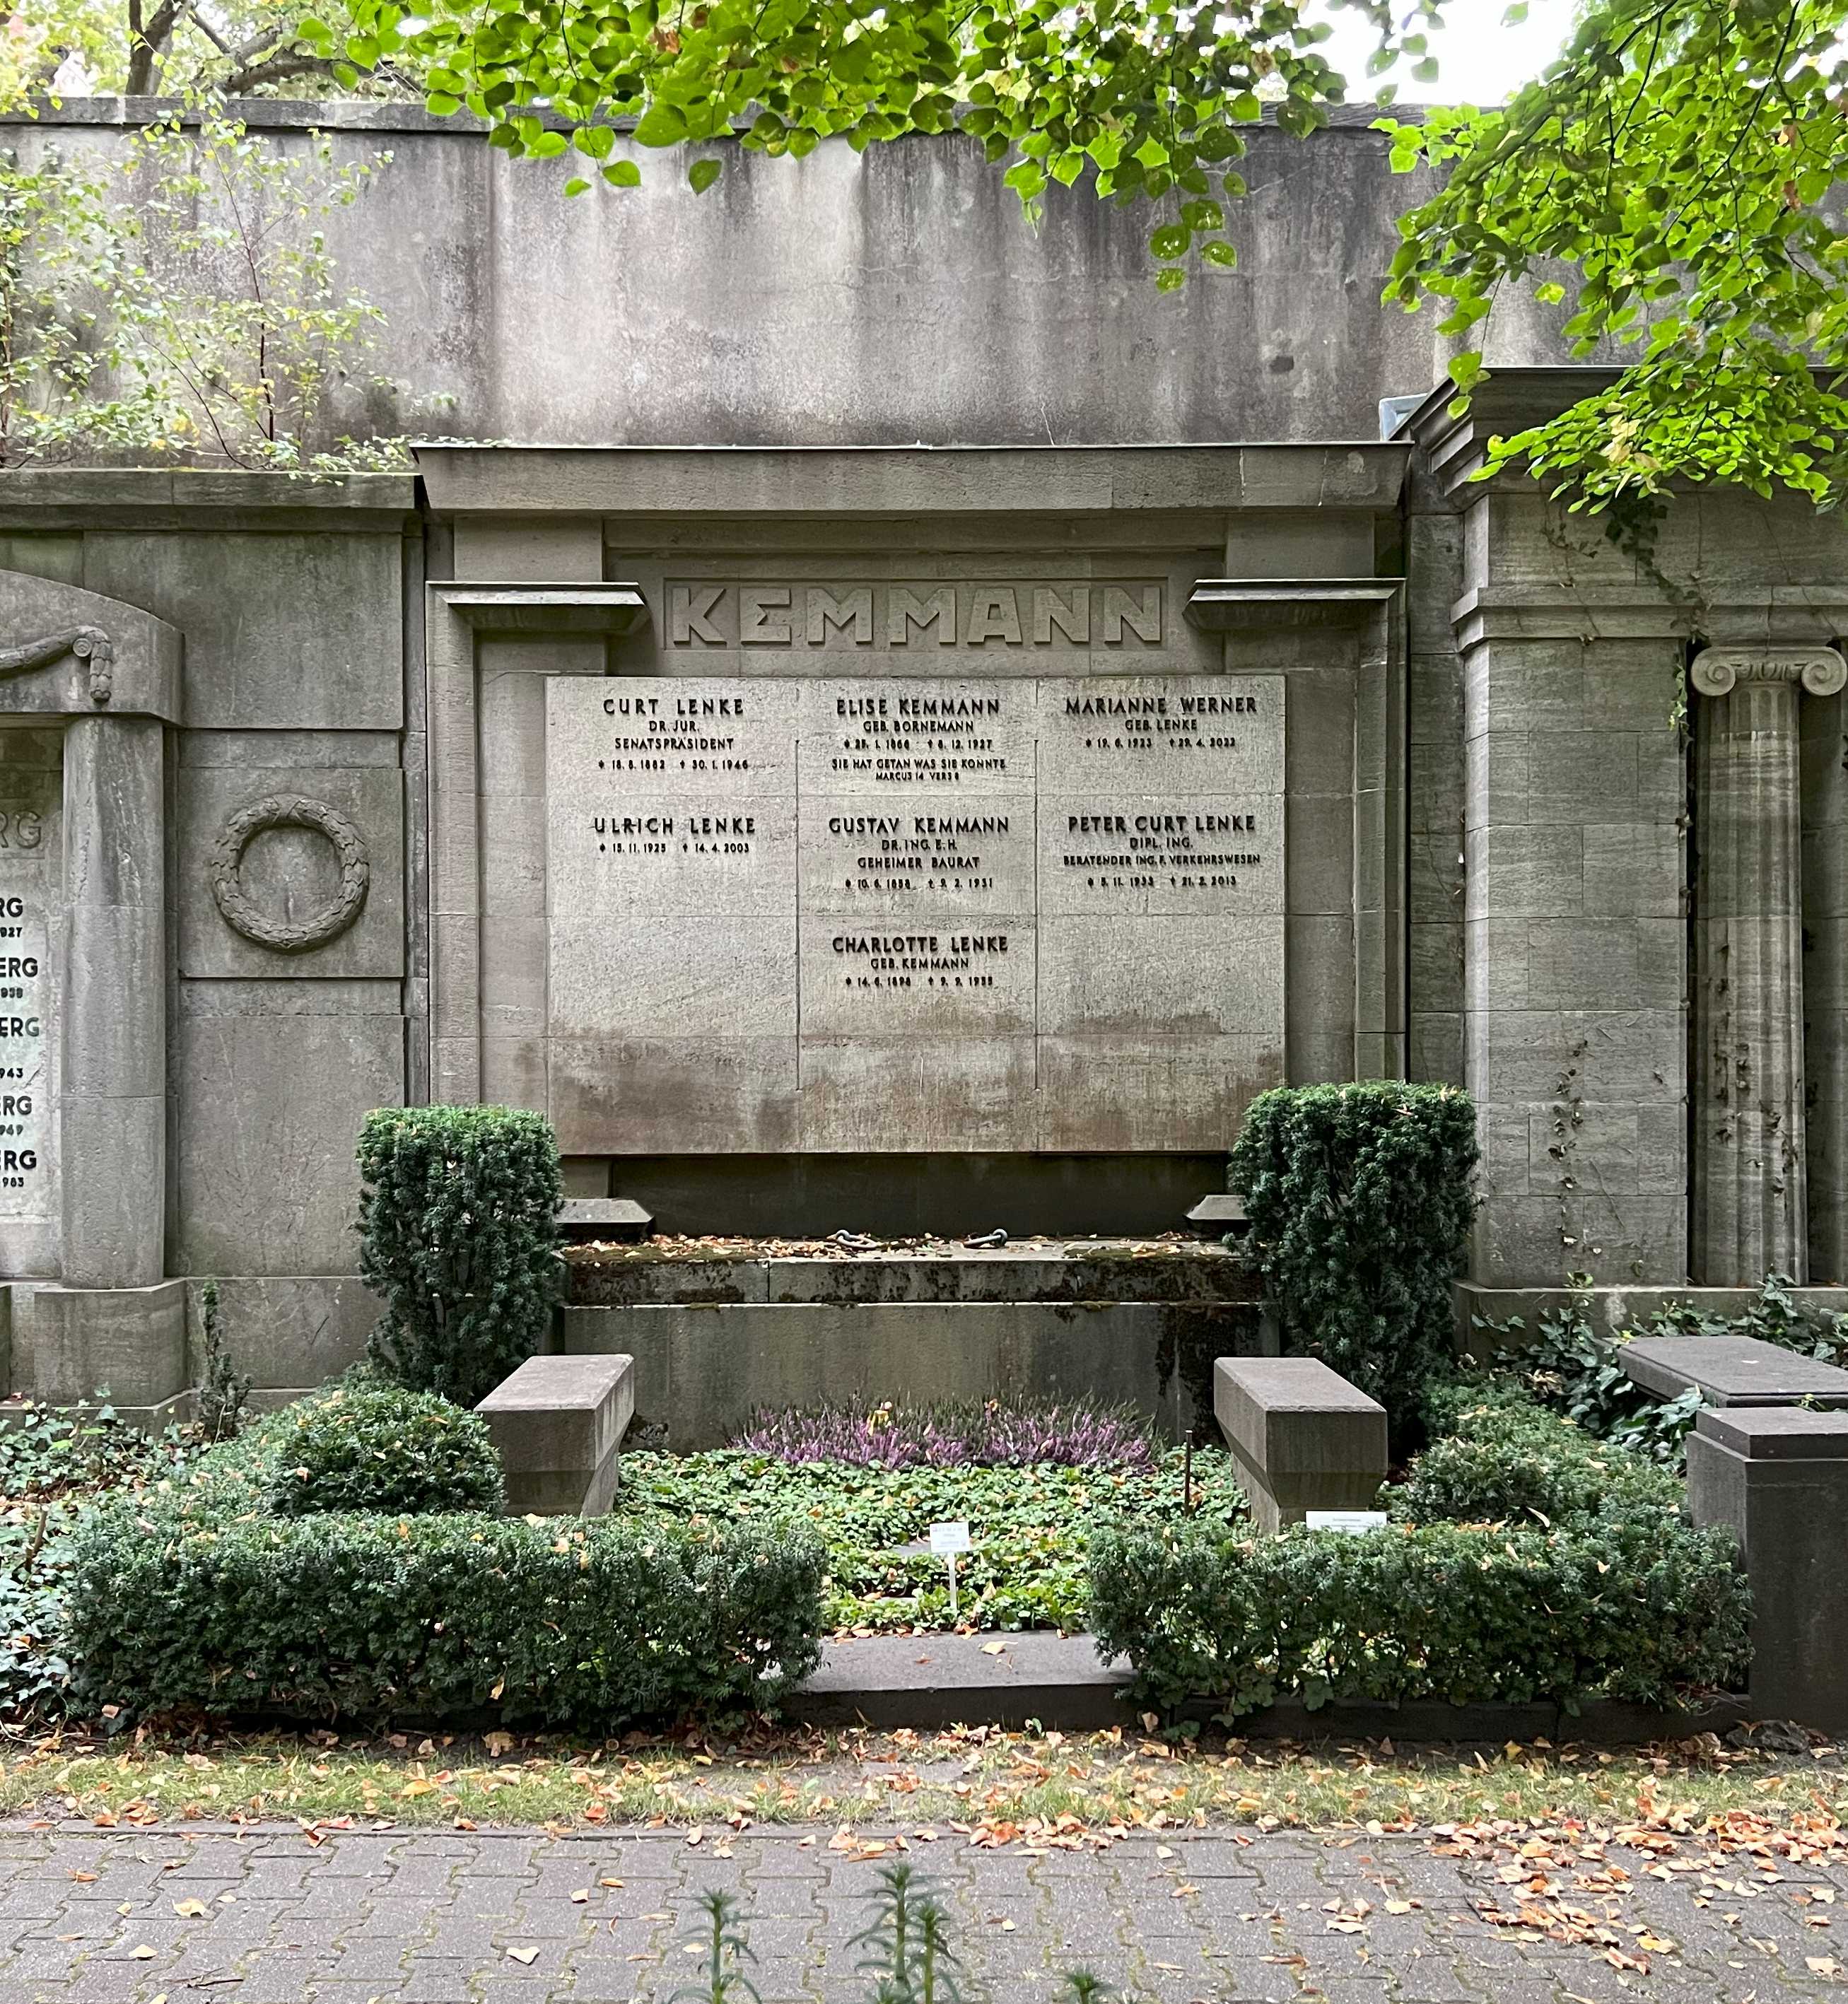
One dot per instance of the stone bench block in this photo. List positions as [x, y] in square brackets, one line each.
[1303, 1438]
[1731, 1370]
[1777, 1478]
[559, 1423]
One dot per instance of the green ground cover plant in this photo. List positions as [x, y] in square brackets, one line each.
[1030, 1526]
[197, 1595]
[1571, 1365]
[52, 1461]
[1360, 1202]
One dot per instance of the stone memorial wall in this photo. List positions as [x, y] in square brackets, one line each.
[965, 914]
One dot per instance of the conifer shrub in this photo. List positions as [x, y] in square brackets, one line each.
[1360, 1202]
[381, 1447]
[458, 1214]
[1498, 1456]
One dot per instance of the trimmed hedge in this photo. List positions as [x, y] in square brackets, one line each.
[1359, 1197]
[1504, 1459]
[458, 1231]
[202, 1598]
[380, 1447]
[1645, 1609]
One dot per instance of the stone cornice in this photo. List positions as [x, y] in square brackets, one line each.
[897, 482]
[1779, 615]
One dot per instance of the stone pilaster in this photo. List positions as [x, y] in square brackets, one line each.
[1749, 1175]
[113, 1107]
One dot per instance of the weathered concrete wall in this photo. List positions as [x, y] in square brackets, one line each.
[890, 297]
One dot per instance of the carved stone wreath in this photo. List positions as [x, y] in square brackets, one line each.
[289, 810]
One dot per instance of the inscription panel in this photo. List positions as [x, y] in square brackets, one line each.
[944, 913]
[31, 799]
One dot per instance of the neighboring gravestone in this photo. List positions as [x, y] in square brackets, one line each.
[962, 912]
[1732, 1371]
[1303, 1439]
[1777, 1476]
[558, 1424]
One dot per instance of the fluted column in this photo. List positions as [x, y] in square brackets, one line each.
[1749, 1211]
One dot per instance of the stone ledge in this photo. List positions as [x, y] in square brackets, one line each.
[1062, 1682]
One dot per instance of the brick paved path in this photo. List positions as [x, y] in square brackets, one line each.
[429, 1917]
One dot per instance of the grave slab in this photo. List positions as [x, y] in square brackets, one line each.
[1732, 1371]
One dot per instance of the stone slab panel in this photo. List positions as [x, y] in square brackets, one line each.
[1194, 854]
[702, 1372]
[948, 982]
[896, 1093]
[1125, 978]
[887, 858]
[288, 1331]
[1102, 1095]
[668, 1095]
[290, 873]
[1162, 736]
[269, 1110]
[292, 630]
[947, 738]
[1733, 1370]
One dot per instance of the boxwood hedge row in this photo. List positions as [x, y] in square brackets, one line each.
[1524, 1561]
[203, 1597]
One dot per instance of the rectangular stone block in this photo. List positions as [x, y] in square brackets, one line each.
[701, 1372]
[126, 1346]
[1303, 1438]
[1731, 1370]
[1777, 1478]
[558, 1424]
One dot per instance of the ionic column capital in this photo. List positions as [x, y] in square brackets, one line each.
[1717, 671]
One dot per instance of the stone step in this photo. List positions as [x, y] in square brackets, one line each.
[930, 1682]
[1025, 1270]
[582, 1219]
[702, 1369]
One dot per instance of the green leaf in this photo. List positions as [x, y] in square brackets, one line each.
[702, 174]
[625, 173]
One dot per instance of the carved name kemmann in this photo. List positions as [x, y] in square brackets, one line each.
[924, 613]
[1009, 897]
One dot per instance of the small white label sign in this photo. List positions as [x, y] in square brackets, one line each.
[947, 1538]
[1353, 1522]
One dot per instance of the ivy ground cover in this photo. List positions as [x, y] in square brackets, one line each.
[1031, 1527]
